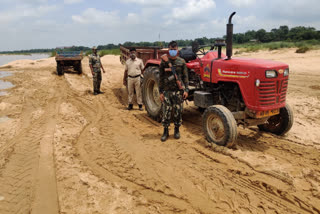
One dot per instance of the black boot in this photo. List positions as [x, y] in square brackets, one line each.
[130, 107]
[176, 132]
[165, 134]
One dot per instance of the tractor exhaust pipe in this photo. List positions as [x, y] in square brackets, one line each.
[229, 36]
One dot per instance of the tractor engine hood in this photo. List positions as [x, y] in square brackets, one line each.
[251, 64]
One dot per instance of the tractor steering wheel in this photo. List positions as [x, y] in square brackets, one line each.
[202, 51]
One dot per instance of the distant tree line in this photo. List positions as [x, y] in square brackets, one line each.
[28, 51]
[283, 33]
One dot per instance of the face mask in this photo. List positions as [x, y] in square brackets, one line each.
[173, 53]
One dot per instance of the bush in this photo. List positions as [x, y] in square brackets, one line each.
[301, 44]
[88, 53]
[286, 45]
[313, 42]
[109, 52]
[105, 52]
[253, 48]
[279, 45]
[302, 49]
[53, 54]
[274, 46]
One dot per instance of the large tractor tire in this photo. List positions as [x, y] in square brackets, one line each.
[59, 69]
[150, 93]
[279, 124]
[219, 126]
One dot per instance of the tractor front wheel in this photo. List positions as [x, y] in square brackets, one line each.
[219, 126]
[279, 124]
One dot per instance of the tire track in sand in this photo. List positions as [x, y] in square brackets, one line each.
[120, 167]
[94, 110]
[21, 174]
[250, 179]
[275, 195]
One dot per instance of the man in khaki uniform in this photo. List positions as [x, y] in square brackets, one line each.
[132, 75]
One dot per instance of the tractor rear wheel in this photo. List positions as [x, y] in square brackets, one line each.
[59, 69]
[219, 126]
[150, 93]
[279, 124]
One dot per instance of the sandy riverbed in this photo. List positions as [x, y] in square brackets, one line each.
[64, 150]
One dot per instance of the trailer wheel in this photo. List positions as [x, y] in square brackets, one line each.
[79, 68]
[150, 93]
[219, 126]
[279, 124]
[59, 69]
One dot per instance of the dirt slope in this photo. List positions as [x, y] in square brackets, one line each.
[103, 159]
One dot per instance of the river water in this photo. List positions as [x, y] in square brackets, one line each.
[4, 59]
[4, 84]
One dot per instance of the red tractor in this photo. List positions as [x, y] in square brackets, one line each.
[231, 91]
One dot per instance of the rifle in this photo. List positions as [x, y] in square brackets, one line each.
[173, 70]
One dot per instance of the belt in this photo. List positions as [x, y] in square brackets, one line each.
[134, 76]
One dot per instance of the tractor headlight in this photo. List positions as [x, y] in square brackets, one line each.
[286, 72]
[271, 74]
[257, 83]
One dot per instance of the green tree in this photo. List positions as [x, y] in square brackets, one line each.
[260, 35]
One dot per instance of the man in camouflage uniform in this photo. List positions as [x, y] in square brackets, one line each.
[95, 65]
[171, 94]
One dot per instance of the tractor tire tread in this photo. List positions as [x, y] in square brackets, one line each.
[151, 72]
[228, 121]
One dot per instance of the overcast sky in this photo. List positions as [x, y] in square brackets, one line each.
[28, 24]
